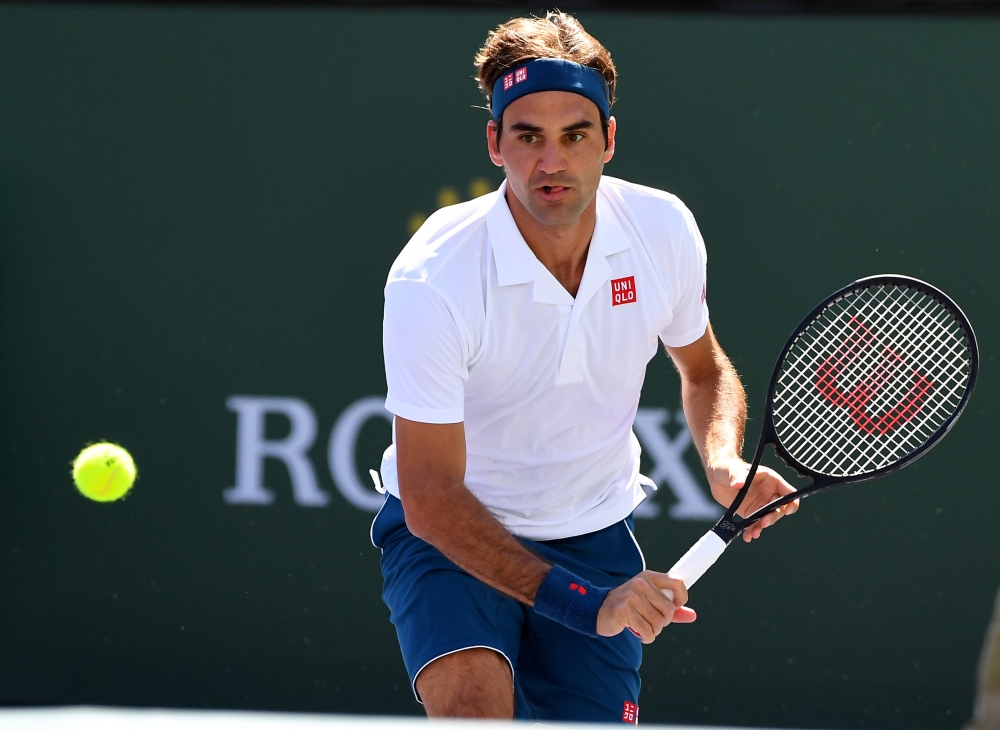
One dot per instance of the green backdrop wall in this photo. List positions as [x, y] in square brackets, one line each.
[198, 207]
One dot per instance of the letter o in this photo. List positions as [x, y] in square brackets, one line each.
[340, 453]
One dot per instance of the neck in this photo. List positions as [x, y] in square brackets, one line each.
[562, 248]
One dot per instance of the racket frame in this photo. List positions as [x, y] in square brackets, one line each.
[730, 525]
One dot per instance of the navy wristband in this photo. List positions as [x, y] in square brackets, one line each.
[570, 600]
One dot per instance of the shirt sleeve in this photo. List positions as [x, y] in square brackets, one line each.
[425, 363]
[690, 309]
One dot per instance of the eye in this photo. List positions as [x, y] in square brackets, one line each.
[575, 137]
[529, 138]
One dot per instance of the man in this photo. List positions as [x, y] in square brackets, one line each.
[517, 331]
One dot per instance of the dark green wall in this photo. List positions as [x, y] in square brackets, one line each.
[202, 203]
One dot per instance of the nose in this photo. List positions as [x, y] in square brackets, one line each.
[552, 159]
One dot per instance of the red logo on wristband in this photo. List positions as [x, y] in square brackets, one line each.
[631, 713]
[578, 588]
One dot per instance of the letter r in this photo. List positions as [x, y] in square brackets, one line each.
[252, 448]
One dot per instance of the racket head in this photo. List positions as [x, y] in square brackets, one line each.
[870, 381]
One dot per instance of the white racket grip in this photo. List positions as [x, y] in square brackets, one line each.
[696, 561]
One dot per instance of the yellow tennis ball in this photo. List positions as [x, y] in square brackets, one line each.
[104, 472]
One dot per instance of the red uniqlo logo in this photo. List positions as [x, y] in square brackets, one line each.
[622, 291]
[631, 713]
[508, 81]
[520, 75]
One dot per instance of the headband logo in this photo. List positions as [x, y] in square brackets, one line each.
[515, 78]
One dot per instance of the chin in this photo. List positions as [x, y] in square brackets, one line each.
[556, 214]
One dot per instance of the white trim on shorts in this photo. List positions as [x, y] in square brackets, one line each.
[413, 684]
[636, 542]
[371, 530]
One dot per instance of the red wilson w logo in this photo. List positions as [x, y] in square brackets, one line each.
[856, 400]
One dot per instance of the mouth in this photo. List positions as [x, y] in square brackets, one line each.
[553, 192]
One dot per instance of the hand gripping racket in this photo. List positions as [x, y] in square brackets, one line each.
[868, 382]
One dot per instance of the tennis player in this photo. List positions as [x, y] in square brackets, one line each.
[517, 331]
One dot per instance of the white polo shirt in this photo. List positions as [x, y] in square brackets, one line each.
[478, 331]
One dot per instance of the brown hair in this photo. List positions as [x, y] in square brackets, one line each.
[557, 35]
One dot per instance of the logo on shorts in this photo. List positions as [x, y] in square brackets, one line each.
[578, 588]
[704, 291]
[630, 713]
[622, 291]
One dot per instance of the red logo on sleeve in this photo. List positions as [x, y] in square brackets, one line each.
[622, 291]
[631, 713]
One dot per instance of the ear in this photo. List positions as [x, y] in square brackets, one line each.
[493, 144]
[610, 151]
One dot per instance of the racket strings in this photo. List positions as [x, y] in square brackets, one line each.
[879, 376]
[870, 379]
[844, 401]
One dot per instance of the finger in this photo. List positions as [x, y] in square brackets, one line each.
[657, 599]
[641, 628]
[783, 511]
[776, 486]
[664, 581]
[684, 615]
[654, 617]
[760, 495]
[781, 488]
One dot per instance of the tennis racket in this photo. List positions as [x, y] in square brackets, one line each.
[872, 379]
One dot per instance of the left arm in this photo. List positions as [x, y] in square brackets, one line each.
[715, 408]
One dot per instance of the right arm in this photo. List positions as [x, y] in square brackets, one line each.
[439, 509]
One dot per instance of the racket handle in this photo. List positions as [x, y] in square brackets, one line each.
[696, 561]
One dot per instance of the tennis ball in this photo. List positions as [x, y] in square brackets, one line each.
[104, 472]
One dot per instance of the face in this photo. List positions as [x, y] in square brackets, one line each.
[552, 149]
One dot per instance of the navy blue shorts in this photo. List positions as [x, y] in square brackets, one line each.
[559, 674]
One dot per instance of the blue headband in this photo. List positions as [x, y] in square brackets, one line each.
[550, 74]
